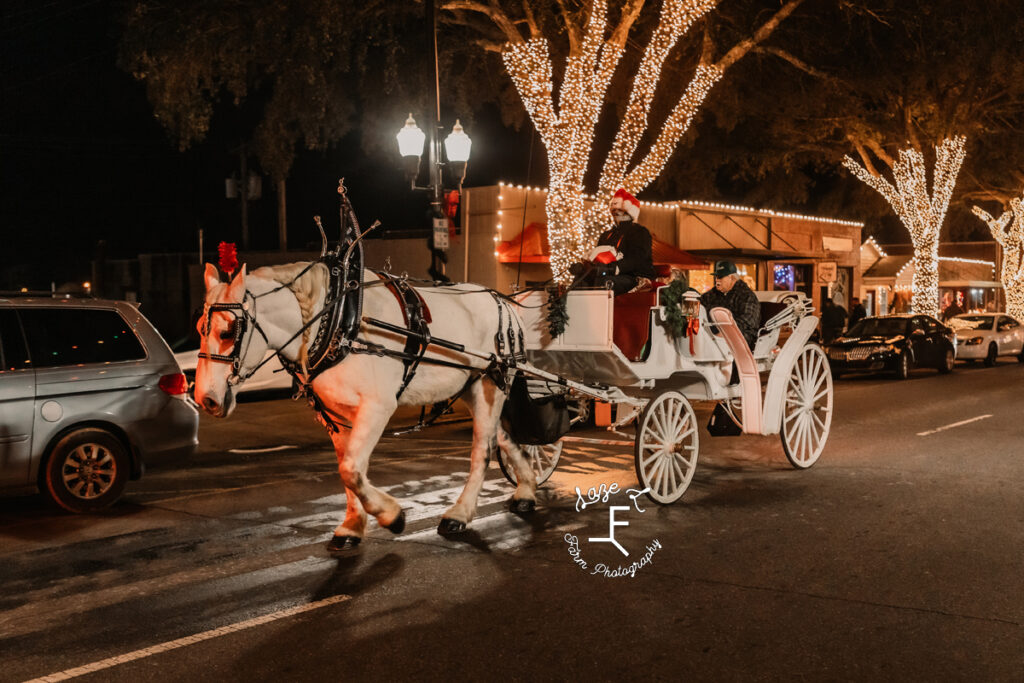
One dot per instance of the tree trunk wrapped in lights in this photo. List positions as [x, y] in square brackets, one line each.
[567, 130]
[922, 214]
[1008, 231]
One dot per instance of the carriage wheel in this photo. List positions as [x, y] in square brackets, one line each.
[543, 461]
[665, 450]
[807, 413]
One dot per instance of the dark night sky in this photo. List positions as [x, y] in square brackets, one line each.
[84, 161]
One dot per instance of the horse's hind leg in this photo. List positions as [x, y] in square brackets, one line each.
[486, 401]
[353, 448]
[525, 497]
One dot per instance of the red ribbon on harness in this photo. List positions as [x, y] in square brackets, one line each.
[692, 327]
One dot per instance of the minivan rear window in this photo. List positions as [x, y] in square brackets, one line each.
[13, 355]
[70, 336]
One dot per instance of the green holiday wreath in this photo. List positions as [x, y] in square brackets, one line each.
[557, 317]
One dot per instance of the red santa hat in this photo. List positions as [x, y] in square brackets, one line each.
[625, 201]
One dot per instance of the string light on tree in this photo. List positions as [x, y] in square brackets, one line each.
[1008, 231]
[920, 212]
[568, 133]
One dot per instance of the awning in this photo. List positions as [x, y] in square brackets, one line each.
[531, 246]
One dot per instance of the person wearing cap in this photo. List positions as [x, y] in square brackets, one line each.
[732, 293]
[623, 252]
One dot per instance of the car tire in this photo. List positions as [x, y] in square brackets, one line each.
[1020, 357]
[948, 362]
[990, 357]
[903, 366]
[836, 374]
[86, 471]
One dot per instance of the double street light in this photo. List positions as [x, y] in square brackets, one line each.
[456, 146]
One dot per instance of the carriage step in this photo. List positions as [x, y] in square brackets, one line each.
[599, 442]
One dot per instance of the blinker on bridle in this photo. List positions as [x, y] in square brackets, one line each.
[239, 327]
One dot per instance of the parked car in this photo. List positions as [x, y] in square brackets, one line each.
[270, 376]
[987, 336]
[89, 395]
[895, 343]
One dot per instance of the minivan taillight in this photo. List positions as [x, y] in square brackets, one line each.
[175, 384]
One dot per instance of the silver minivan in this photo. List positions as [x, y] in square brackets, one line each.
[89, 394]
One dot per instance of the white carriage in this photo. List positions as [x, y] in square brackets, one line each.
[619, 350]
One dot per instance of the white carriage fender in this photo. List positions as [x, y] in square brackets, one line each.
[746, 368]
[774, 395]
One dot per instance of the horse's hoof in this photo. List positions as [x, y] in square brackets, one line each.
[341, 544]
[397, 526]
[521, 506]
[450, 526]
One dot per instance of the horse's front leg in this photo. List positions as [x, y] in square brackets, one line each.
[353, 448]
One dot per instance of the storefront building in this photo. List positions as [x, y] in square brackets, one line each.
[505, 243]
[967, 276]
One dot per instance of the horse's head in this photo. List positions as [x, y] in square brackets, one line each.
[231, 343]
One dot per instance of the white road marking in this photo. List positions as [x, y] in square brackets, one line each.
[955, 424]
[271, 449]
[188, 640]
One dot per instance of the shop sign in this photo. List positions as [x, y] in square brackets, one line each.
[827, 271]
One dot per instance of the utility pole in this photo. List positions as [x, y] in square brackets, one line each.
[243, 195]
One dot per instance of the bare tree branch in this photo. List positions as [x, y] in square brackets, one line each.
[571, 29]
[744, 46]
[493, 11]
[798, 63]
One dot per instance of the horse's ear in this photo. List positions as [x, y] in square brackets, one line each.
[211, 276]
[236, 290]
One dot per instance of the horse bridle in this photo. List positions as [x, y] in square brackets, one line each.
[240, 327]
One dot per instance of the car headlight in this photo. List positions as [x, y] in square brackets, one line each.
[974, 341]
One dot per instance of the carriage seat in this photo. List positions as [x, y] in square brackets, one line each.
[632, 313]
[632, 316]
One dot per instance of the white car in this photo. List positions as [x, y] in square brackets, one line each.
[986, 336]
[271, 376]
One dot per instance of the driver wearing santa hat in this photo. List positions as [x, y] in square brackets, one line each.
[623, 253]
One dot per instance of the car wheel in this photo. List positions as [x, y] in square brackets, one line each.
[87, 470]
[903, 366]
[990, 357]
[836, 374]
[1020, 357]
[948, 361]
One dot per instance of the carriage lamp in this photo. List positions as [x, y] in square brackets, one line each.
[690, 304]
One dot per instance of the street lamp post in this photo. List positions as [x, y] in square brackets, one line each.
[457, 146]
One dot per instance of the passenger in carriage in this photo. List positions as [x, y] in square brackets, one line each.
[733, 293]
[622, 254]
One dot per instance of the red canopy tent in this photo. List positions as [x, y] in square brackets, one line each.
[531, 246]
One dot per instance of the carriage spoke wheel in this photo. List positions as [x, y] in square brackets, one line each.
[807, 413]
[666, 447]
[542, 459]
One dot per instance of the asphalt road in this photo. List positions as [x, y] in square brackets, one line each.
[899, 555]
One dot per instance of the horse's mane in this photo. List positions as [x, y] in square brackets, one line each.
[307, 287]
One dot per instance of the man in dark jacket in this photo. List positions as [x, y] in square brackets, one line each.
[623, 253]
[833, 319]
[857, 311]
[733, 293]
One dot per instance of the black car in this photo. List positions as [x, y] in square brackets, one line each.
[894, 343]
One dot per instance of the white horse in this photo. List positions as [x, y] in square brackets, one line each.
[361, 389]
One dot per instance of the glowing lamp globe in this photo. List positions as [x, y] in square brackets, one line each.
[457, 144]
[410, 139]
